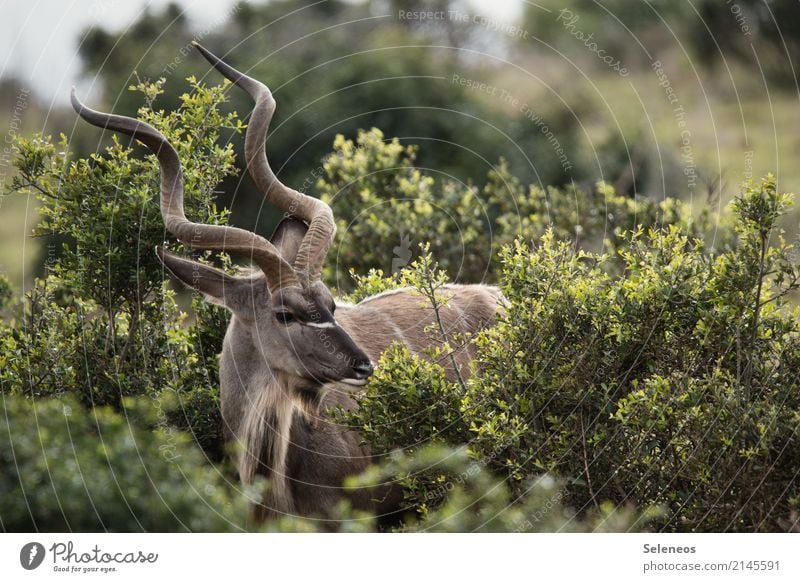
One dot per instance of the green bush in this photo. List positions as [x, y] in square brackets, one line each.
[103, 325]
[63, 468]
[457, 493]
[672, 384]
[385, 207]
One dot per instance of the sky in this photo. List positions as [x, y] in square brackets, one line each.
[39, 38]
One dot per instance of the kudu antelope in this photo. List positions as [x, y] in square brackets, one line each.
[291, 352]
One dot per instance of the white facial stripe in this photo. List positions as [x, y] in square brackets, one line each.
[326, 325]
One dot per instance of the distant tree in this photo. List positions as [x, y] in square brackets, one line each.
[741, 30]
[713, 30]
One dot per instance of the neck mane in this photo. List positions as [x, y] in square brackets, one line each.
[266, 433]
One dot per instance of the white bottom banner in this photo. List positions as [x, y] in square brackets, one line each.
[355, 557]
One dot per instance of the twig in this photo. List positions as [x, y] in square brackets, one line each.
[586, 464]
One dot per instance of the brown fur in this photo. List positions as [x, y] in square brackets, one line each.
[308, 458]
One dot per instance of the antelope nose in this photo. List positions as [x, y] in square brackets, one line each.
[363, 370]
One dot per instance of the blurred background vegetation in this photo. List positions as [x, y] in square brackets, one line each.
[565, 91]
[624, 128]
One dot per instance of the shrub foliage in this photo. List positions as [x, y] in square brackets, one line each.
[385, 207]
[672, 384]
[65, 469]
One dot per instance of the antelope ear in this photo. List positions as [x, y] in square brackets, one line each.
[287, 237]
[234, 293]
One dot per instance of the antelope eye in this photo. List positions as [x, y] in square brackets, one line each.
[284, 317]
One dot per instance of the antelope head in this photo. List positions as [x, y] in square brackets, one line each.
[284, 308]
